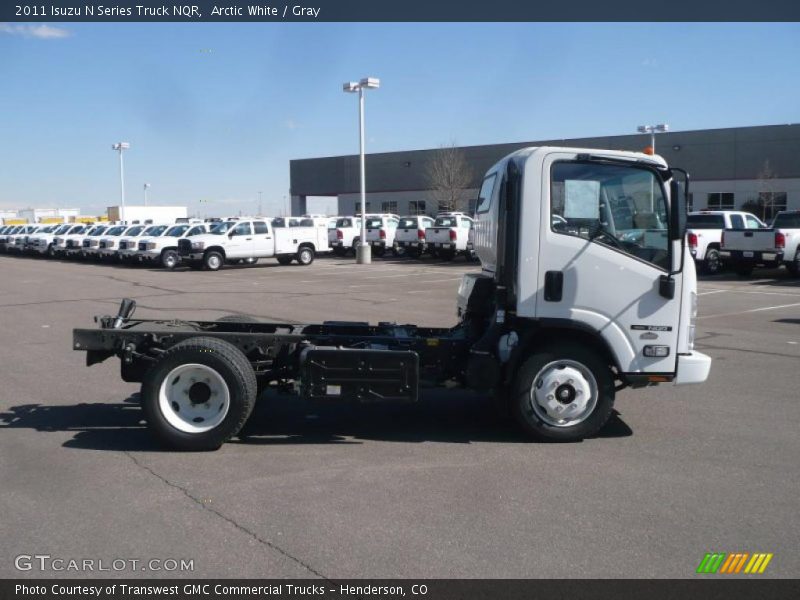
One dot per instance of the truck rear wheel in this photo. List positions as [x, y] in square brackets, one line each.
[794, 266]
[169, 259]
[305, 256]
[213, 260]
[712, 263]
[563, 393]
[199, 394]
[378, 251]
[284, 259]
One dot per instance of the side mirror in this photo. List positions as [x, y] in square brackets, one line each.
[230, 233]
[677, 212]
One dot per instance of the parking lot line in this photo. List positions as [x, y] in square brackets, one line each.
[751, 310]
[712, 292]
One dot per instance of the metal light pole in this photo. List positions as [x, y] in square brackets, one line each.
[120, 147]
[363, 250]
[259, 204]
[146, 186]
[652, 130]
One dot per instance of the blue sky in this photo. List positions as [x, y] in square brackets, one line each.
[216, 111]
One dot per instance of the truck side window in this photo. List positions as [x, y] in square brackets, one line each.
[752, 222]
[617, 206]
[260, 227]
[737, 222]
[241, 229]
[485, 195]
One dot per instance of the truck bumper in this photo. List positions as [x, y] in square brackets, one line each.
[692, 368]
[757, 257]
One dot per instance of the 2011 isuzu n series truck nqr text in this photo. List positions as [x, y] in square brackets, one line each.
[585, 289]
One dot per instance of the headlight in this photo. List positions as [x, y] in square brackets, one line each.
[151, 246]
[197, 245]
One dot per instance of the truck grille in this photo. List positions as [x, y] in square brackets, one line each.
[185, 246]
[103, 244]
[123, 245]
[72, 243]
[142, 246]
[87, 243]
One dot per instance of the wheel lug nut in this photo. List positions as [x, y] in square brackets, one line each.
[551, 397]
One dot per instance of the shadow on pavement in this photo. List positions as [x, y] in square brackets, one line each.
[447, 417]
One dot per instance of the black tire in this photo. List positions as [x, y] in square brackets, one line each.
[305, 256]
[339, 251]
[447, 255]
[414, 252]
[237, 319]
[712, 264]
[356, 244]
[794, 266]
[538, 427]
[284, 259]
[234, 368]
[51, 253]
[378, 251]
[213, 260]
[169, 259]
[744, 270]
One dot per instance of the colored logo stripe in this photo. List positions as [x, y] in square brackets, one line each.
[722, 562]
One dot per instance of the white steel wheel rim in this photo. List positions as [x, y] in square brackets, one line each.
[305, 255]
[214, 261]
[170, 260]
[564, 393]
[194, 398]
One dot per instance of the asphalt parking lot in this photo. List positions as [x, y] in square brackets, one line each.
[444, 490]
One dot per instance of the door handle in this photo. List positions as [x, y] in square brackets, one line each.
[553, 286]
[247, 239]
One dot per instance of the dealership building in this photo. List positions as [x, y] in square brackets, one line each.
[754, 167]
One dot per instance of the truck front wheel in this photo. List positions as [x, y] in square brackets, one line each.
[563, 393]
[213, 261]
[794, 266]
[169, 259]
[199, 394]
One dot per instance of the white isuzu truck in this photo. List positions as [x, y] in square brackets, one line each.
[576, 301]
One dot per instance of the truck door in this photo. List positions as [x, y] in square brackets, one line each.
[240, 241]
[264, 241]
[603, 246]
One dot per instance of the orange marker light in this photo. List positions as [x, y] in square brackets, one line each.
[649, 150]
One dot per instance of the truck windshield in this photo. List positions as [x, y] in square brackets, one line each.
[134, 231]
[617, 206]
[445, 222]
[374, 223]
[78, 229]
[177, 231]
[61, 230]
[96, 231]
[344, 222]
[409, 223]
[116, 230]
[155, 230]
[705, 222]
[787, 220]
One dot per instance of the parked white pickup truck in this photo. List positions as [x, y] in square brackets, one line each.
[250, 240]
[410, 235]
[771, 247]
[164, 248]
[129, 243]
[450, 235]
[59, 247]
[108, 246]
[380, 233]
[42, 243]
[74, 243]
[704, 235]
[346, 235]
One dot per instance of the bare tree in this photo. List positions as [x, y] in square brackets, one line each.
[766, 191]
[449, 175]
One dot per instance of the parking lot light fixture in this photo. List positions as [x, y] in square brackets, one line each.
[363, 250]
[653, 130]
[121, 147]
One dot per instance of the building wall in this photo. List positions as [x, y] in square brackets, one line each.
[745, 190]
[379, 202]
